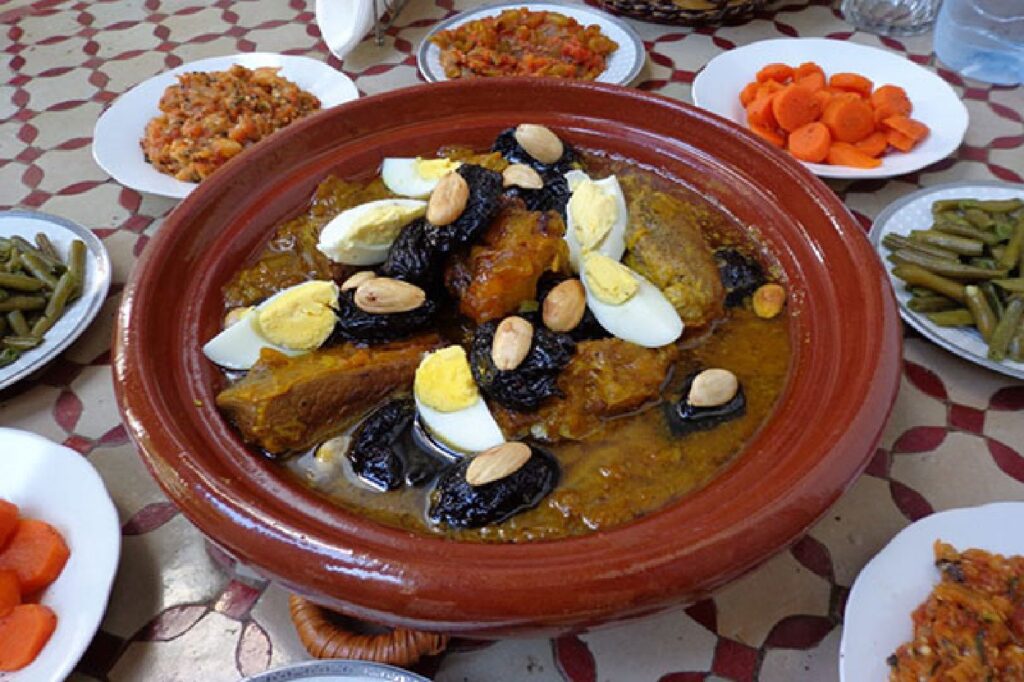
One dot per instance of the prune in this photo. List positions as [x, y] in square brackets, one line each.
[554, 196]
[457, 504]
[507, 146]
[589, 328]
[684, 418]
[414, 257]
[374, 452]
[355, 324]
[535, 379]
[481, 207]
[741, 275]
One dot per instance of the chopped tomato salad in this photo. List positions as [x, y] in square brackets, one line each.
[520, 42]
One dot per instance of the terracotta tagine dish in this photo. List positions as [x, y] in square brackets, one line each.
[466, 451]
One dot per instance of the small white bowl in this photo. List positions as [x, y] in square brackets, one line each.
[57, 485]
[115, 144]
[717, 89]
[901, 576]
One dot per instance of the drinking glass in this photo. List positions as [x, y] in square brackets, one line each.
[891, 17]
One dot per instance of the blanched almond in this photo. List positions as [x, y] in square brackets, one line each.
[539, 142]
[768, 300]
[355, 280]
[384, 295]
[448, 200]
[512, 341]
[521, 175]
[564, 306]
[713, 387]
[497, 463]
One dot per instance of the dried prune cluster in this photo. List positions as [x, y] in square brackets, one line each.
[536, 377]
[506, 145]
[374, 451]
[741, 275]
[458, 504]
[553, 196]
[481, 208]
[414, 257]
[684, 418]
[355, 324]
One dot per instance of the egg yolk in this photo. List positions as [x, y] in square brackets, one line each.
[609, 280]
[380, 225]
[445, 382]
[300, 318]
[434, 169]
[593, 214]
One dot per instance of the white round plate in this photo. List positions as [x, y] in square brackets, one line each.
[82, 311]
[717, 89]
[623, 65]
[902, 575]
[115, 144]
[57, 485]
[914, 212]
[337, 671]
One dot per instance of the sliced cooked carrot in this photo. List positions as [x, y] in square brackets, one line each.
[769, 134]
[10, 591]
[759, 112]
[915, 130]
[37, 553]
[810, 142]
[899, 140]
[748, 93]
[768, 88]
[806, 69]
[874, 144]
[823, 96]
[8, 521]
[890, 100]
[853, 82]
[812, 81]
[23, 634]
[845, 154]
[781, 73]
[848, 120]
[795, 106]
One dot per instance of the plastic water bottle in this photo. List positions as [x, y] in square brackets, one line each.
[982, 39]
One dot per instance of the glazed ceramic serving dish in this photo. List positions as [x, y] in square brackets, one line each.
[845, 369]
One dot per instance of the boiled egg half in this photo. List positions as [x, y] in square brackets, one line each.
[596, 217]
[450, 405]
[293, 321]
[363, 234]
[626, 304]
[415, 177]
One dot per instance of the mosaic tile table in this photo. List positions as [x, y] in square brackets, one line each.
[956, 437]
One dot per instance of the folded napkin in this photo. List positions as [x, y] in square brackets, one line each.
[344, 23]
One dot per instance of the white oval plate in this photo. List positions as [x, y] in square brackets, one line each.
[83, 310]
[914, 212]
[623, 65]
[115, 144]
[337, 671]
[902, 575]
[57, 485]
[717, 89]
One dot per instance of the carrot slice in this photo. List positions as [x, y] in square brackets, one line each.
[768, 134]
[748, 93]
[37, 553]
[899, 140]
[845, 154]
[23, 633]
[851, 81]
[874, 144]
[8, 521]
[807, 69]
[768, 88]
[795, 106]
[848, 120]
[823, 96]
[759, 112]
[890, 100]
[812, 81]
[810, 142]
[781, 73]
[915, 130]
[10, 591]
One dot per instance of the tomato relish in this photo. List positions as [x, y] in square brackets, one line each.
[521, 42]
[971, 628]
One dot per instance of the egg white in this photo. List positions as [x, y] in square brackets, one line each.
[471, 429]
[337, 232]
[238, 347]
[401, 177]
[647, 319]
[614, 243]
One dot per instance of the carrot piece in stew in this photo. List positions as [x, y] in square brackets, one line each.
[23, 633]
[37, 553]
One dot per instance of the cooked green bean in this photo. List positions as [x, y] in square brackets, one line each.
[1017, 344]
[26, 248]
[965, 229]
[9, 280]
[76, 264]
[894, 242]
[994, 298]
[978, 218]
[993, 205]
[944, 205]
[13, 263]
[964, 246]
[18, 324]
[945, 267]
[3, 325]
[4, 294]
[981, 311]
[1011, 255]
[960, 317]
[983, 262]
[61, 295]
[44, 244]
[1016, 284]
[42, 325]
[8, 355]
[23, 303]
[1005, 329]
[915, 275]
[38, 268]
[21, 342]
[931, 304]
